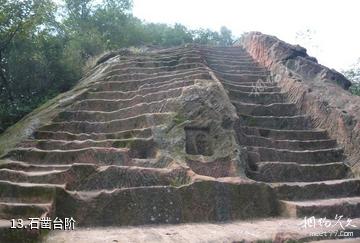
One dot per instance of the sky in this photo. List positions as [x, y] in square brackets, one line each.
[334, 25]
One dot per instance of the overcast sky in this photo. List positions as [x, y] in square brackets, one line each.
[335, 24]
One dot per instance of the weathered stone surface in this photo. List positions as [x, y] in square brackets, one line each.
[269, 51]
[145, 138]
[315, 89]
[205, 110]
[264, 230]
[171, 136]
[282, 145]
[196, 202]
[348, 207]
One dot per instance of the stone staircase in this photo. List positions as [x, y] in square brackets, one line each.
[98, 160]
[304, 166]
[103, 140]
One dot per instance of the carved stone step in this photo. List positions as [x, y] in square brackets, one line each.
[275, 109]
[10, 210]
[239, 68]
[136, 147]
[115, 177]
[298, 122]
[89, 177]
[283, 134]
[24, 166]
[230, 61]
[131, 71]
[188, 58]
[168, 204]
[347, 207]
[104, 156]
[174, 56]
[140, 76]
[301, 157]
[250, 140]
[145, 64]
[317, 190]
[136, 85]
[162, 106]
[239, 72]
[256, 97]
[219, 58]
[142, 91]
[60, 135]
[275, 171]
[138, 122]
[233, 52]
[27, 192]
[250, 88]
[49, 176]
[74, 173]
[241, 78]
[265, 83]
[108, 105]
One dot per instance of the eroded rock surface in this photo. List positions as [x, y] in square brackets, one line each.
[144, 138]
[315, 89]
[186, 134]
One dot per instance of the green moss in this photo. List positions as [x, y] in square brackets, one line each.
[128, 135]
[251, 121]
[179, 119]
[128, 143]
[120, 144]
[179, 181]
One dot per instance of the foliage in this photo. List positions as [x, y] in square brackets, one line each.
[355, 89]
[45, 45]
[353, 74]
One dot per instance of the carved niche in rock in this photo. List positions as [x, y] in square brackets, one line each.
[198, 141]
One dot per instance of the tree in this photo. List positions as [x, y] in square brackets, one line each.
[112, 21]
[225, 37]
[353, 74]
[206, 36]
[209, 37]
[78, 14]
[18, 18]
[44, 46]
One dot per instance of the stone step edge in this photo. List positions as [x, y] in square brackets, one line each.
[290, 208]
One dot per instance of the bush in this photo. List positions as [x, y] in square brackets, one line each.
[47, 50]
[355, 89]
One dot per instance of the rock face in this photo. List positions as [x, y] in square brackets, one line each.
[144, 138]
[187, 134]
[316, 90]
